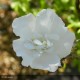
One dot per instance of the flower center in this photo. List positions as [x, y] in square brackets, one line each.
[40, 45]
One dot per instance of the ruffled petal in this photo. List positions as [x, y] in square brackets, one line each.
[62, 41]
[47, 21]
[21, 50]
[64, 45]
[24, 26]
[47, 61]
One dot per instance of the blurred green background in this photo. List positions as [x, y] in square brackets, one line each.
[68, 10]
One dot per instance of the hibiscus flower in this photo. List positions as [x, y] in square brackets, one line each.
[44, 40]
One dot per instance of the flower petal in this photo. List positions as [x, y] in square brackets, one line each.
[21, 50]
[65, 43]
[62, 41]
[47, 21]
[48, 61]
[24, 26]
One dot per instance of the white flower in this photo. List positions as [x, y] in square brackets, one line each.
[44, 40]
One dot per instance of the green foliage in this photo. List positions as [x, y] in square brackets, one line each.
[66, 9]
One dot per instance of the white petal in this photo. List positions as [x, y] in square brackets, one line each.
[56, 34]
[21, 50]
[62, 41]
[64, 45]
[45, 61]
[47, 21]
[67, 43]
[24, 26]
